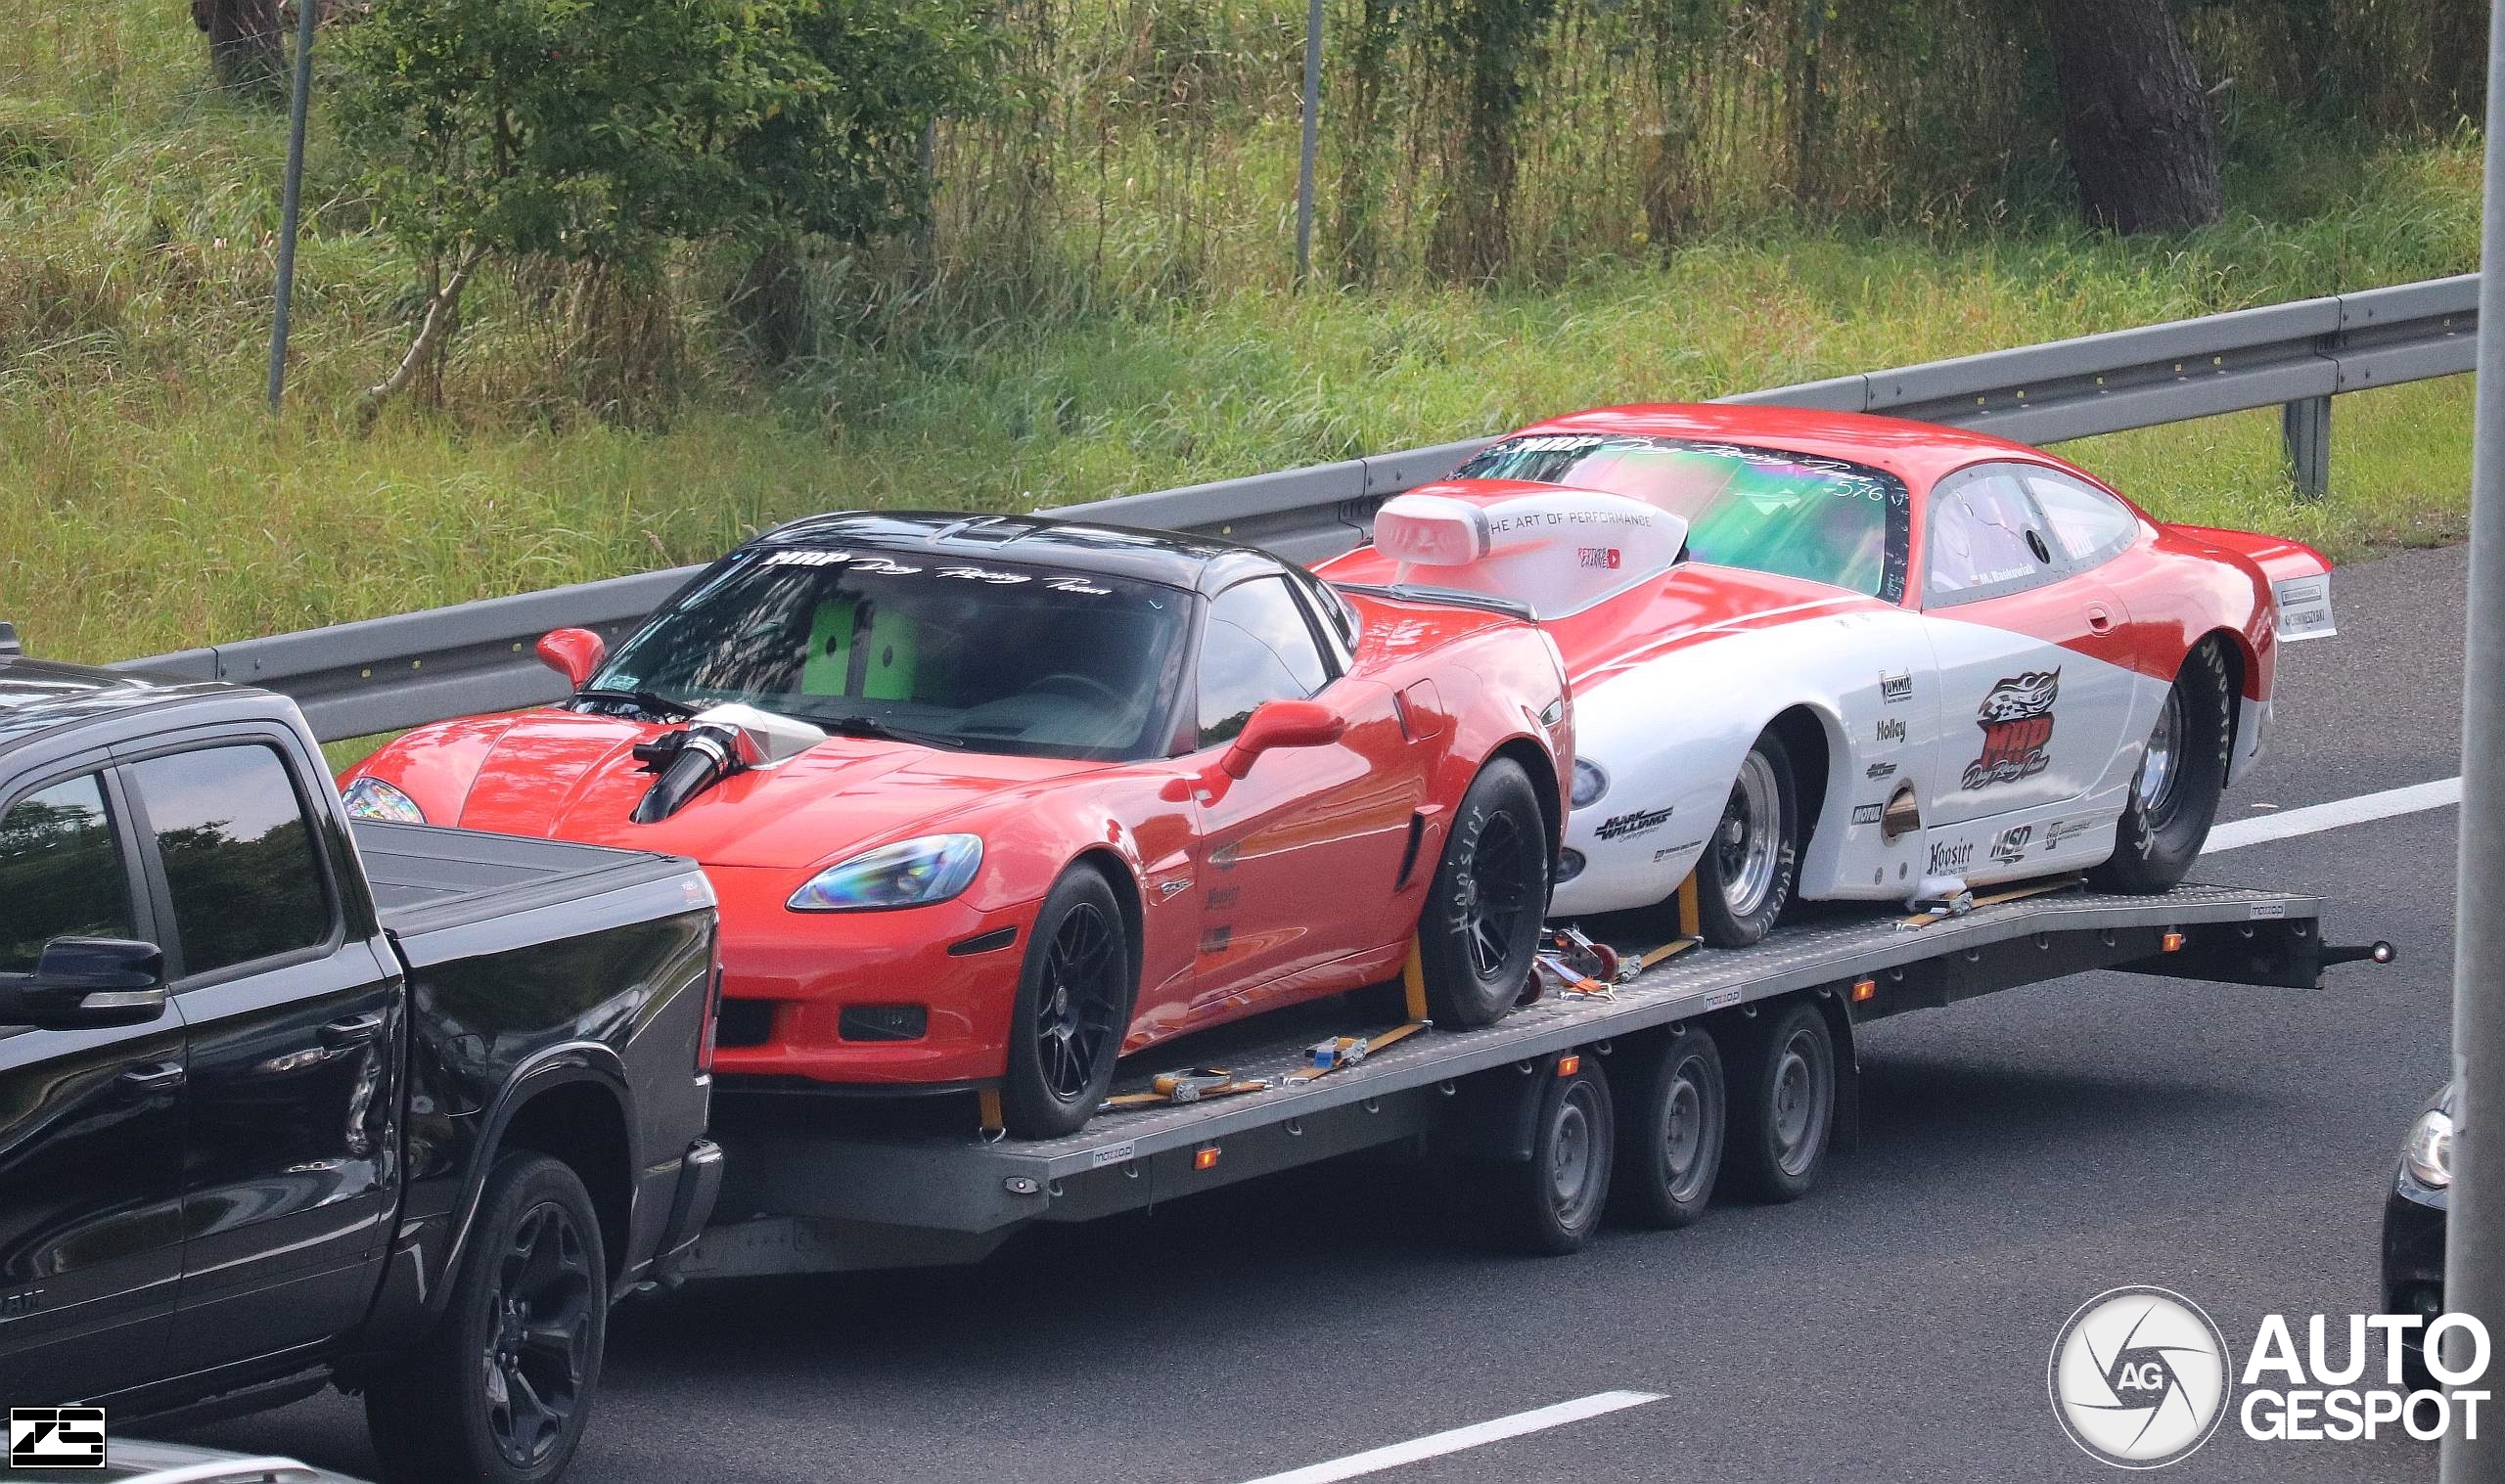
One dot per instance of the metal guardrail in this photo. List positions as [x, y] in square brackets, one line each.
[385, 674]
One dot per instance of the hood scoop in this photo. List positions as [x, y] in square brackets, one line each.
[715, 744]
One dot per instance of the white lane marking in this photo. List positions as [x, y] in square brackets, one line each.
[2331, 816]
[1374, 1460]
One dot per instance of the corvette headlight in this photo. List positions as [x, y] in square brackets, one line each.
[907, 873]
[1590, 783]
[371, 798]
[2428, 1153]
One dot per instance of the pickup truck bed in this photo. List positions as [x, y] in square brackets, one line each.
[435, 887]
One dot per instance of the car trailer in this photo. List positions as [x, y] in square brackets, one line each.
[1740, 1059]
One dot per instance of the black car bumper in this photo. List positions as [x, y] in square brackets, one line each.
[700, 1182]
[2414, 1253]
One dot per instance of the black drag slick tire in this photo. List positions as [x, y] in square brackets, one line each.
[2183, 773]
[1075, 989]
[1478, 929]
[500, 1389]
[1550, 1204]
[1744, 875]
[1672, 1117]
[1781, 1102]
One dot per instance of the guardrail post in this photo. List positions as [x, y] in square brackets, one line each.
[2306, 427]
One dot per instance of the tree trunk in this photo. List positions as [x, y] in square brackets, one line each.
[2134, 120]
[245, 54]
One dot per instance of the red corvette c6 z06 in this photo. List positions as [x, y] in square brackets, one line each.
[989, 801]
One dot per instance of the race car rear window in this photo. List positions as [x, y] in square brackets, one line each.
[997, 657]
[1768, 511]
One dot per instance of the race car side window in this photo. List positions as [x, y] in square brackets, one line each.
[1987, 538]
[2088, 524]
[1257, 647]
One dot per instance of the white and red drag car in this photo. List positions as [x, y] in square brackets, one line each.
[1832, 656]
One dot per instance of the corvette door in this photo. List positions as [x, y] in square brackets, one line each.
[1300, 855]
[2035, 677]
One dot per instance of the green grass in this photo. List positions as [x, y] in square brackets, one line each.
[148, 503]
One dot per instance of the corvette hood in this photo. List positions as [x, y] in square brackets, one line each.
[574, 777]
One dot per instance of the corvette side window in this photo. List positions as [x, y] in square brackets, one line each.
[1987, 539]
[1257, 648]
[2088, 524]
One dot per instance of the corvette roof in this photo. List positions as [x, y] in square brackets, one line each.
[1201, 562]
[1918, 453]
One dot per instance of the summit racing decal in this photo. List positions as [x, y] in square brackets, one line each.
[2017, 719]
[1620, 827]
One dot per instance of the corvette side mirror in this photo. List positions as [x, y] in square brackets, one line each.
[81, 983]
[573, 653]
[1281, 724]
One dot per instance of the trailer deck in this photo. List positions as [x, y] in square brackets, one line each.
[819, 1183]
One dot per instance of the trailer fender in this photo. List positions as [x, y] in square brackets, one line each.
[1494, 1112]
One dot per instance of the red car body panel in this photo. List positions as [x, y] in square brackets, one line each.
[1281, 885]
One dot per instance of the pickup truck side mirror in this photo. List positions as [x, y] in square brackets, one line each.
[573, 652]
[1281, 724]
[84, 983]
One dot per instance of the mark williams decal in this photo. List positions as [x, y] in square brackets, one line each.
[2017, 719]
[1619, 827]
[1877, 771]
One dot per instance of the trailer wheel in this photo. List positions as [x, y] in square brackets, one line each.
[1782, 1104]
[1551, 1203]
[499, 1391]
[1478, 931]
[1670, 1133]
[1074, 992]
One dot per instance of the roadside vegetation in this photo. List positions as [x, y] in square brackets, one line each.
[1097, 301]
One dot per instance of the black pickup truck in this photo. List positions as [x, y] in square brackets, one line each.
[286, 1102]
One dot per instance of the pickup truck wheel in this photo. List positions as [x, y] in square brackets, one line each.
[2183, 771]
[1074, 993]
[1745, 875]
[1782, 1104]
[1478, 929]
[1549, 1204]
[1670, 1132]
[499, 1391]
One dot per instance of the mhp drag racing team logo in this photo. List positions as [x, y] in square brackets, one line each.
[2139, 1377]
[2017, 718]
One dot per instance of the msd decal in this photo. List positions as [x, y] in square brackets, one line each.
[2017, 719]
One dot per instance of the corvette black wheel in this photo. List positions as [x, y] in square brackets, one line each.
[1479, 927]
[2182, 774]
[1073, 1008]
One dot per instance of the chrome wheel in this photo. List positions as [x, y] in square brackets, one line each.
[1802, 1092]
[1748, 843]
[534, 1368]
[2157, 771]
[1080, 1002]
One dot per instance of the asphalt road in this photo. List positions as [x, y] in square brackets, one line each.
[2020, 1154]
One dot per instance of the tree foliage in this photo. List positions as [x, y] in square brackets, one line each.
[605, 131]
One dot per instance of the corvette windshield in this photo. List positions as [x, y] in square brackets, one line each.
[995, 656]
[1789, 514]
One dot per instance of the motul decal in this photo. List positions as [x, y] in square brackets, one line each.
[2017, 719]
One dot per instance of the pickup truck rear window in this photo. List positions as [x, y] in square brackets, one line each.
[61, 873]
[239, 856]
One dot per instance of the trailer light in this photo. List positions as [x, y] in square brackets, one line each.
[1204, 1157]
[1863, 989]
[1569, 1064]
[2172, 942]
